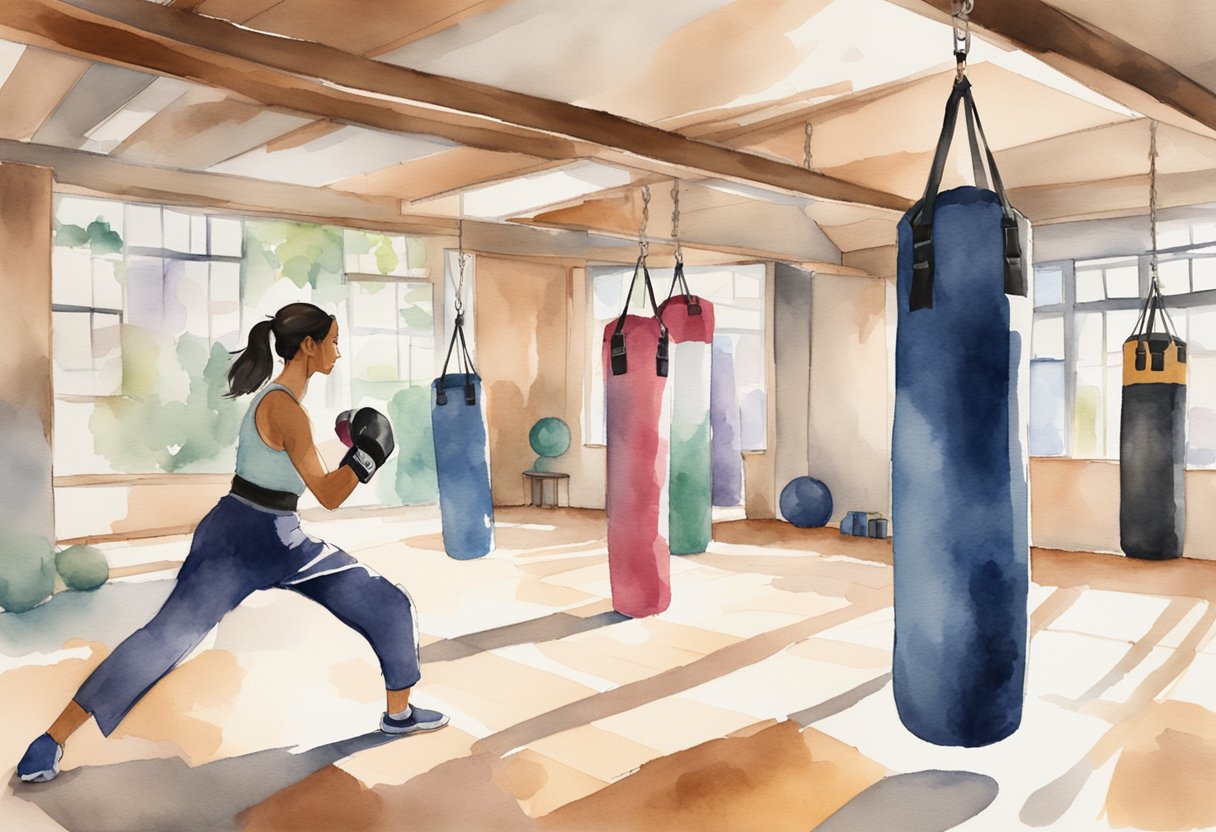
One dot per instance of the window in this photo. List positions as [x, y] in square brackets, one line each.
[1085, 310]
[150, 301]
[737, 293]
[391, 329]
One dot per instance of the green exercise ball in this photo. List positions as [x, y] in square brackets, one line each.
[544, 465]
[27, 571]
[82, 567]
[550, 437]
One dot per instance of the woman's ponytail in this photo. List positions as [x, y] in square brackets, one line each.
[255, 363]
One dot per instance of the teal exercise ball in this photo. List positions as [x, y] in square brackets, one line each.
[806, 502]
[550, 437]
[82, 567]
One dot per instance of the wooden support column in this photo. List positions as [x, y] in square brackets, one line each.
[27, 527]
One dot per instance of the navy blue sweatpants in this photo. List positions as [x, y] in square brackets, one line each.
[240, 547]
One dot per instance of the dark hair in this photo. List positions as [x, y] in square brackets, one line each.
[290, 325]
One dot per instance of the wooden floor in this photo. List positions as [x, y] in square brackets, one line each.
[760, 700]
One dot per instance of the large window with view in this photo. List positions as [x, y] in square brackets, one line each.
[150, 301]
[1085, 309]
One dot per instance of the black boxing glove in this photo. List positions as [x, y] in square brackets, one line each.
[372, 443]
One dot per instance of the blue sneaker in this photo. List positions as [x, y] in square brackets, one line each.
[417, 719]
[41, 760]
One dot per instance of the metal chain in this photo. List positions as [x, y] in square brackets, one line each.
[461, 257]
[806, 146]
[961, 22]
[675, 218]
[643, 245]
[1152, 200]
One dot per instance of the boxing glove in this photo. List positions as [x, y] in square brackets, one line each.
[371, 443]
[342, 427]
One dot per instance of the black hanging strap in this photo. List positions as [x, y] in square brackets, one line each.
[678, 278]
[921, 296]
[1149, 348]
[465, 362]
[617, 342]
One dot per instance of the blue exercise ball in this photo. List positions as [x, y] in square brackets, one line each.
[806, 502]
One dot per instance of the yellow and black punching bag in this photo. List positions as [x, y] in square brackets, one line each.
[1152, 439]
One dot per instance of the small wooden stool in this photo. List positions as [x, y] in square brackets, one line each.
[534, 485]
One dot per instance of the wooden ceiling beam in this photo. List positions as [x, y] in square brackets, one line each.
[326, 82]
[91, 174]
[1050, 34]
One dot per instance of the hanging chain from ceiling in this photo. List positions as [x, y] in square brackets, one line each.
[643, 244]
[806, 146]
[675, 218]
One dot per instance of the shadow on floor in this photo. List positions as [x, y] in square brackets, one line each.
[921, 801]
[167, 794]
[546, 628]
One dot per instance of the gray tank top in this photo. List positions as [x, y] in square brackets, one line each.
[259, 463]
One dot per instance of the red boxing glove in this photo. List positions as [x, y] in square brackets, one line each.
[342, 428]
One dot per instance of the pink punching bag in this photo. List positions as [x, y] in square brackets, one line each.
[637, 409]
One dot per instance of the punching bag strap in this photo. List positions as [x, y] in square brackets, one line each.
[1015, 278]
[620, 364]
[921, 295]
[678, 279]
[466, 365]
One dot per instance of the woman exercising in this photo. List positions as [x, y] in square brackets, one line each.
[252, 540]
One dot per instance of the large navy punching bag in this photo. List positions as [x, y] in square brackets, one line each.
[1152, 438]
[462, 456]
[959, 466]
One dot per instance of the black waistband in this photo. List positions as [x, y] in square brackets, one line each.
[281, 500]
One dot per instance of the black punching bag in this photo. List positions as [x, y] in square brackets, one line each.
[1152, 439]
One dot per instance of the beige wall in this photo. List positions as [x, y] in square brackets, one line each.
[1074, 504]
[850, 437]
[522, 357]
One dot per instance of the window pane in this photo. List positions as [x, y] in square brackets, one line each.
[72, 276]
[1114, 401]
[198, 233]
[1048, 287]
[186, 303]
[1202, 331]
[177, 230]
[145, 292]
[374, 357]
[73, 210]
[1203, 271]
[226, 304]
[1174, 276]
[1089, 285]
[143, 226]
[226, 237]
[107, 291]
[1087, 429]
[1047, 405]
[1123, 282]
[373, 306]
[1088, 339]
[73, 340]
[1119, 325]
[1048, 336]
[1203, 232]
[1170, 234]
